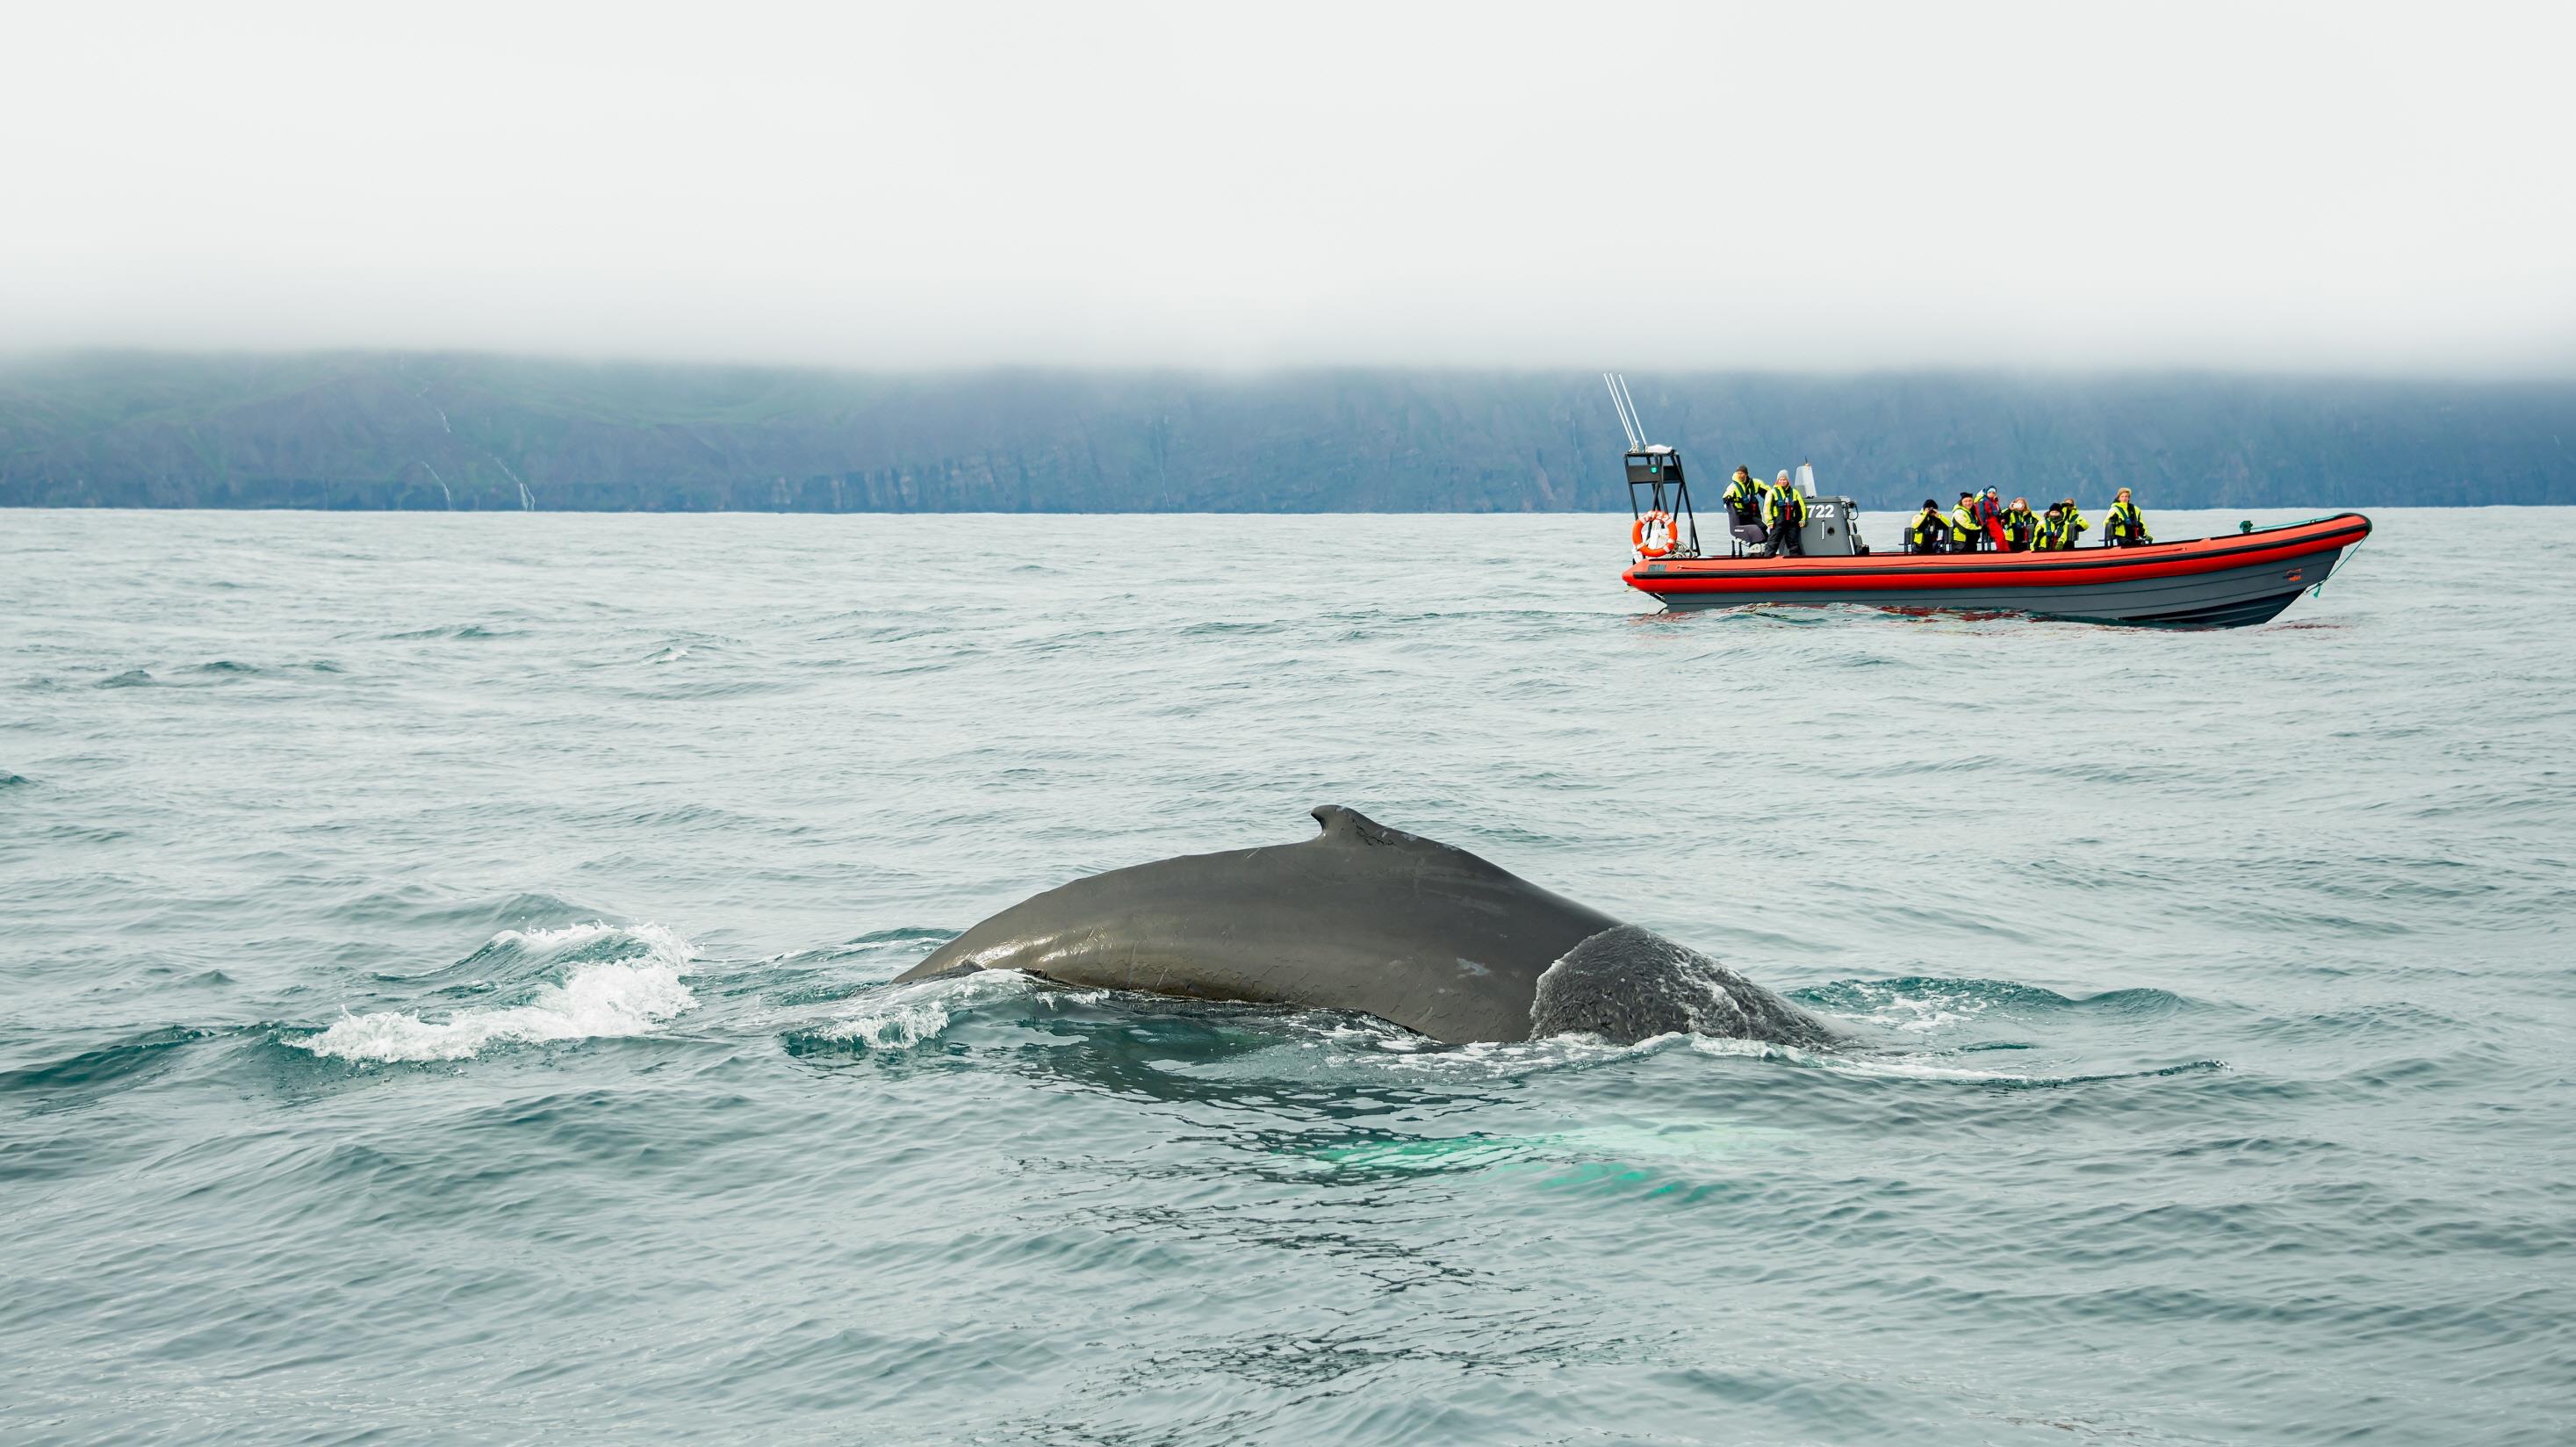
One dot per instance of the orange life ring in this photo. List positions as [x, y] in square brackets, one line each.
[1648, 539]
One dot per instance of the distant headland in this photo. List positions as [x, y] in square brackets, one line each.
[443, 431]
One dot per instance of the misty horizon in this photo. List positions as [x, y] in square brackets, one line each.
[413, 431]
[41, 360]
[2012, 189]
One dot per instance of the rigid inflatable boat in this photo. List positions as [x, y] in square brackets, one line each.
[2222, 582]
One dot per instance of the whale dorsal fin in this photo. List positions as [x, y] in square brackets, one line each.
[1351, 829]
[1350, 826]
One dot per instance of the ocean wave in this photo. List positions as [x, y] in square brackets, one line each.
[1924, 1067]
[1645, 1138]
[459, 631]
[216, 671]
[103, 1065]
[1360, 1043]
[1923, 1004]
[412, 902]
[619, 980]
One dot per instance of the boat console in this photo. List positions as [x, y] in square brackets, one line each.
[1833, 528]
[1657, 484]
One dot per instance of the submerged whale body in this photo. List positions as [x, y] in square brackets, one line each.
[1372, 919]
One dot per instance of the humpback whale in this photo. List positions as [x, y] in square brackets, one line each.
[1366, 918]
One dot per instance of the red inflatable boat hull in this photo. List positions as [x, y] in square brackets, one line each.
[2220, 582]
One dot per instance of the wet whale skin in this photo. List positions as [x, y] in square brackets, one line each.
[1367, 918]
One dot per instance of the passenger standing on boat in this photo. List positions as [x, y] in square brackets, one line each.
[1743, 497]
[1788, 513]
[2021, 526]
[2124, 528]
[1924, 534]
[1965, 527]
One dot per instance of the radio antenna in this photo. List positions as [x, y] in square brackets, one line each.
[1626, 407]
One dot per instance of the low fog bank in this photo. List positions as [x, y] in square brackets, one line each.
[417, 431]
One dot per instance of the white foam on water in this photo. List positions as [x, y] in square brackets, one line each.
[896, 1027]
[1493, 1058]
[1919, 1014]
[633, 993]
[899, 1017]
[653, 939]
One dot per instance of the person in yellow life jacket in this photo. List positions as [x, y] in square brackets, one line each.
[1786, 510]
[1743, 497]
[2021, 526]
[2124, 528]
[1965, 526]
[1925, 533]
[2071, 525]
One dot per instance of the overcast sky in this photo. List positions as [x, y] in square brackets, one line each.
[1791, 185]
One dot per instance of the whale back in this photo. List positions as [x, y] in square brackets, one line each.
[1360, 917]
[1629, 984]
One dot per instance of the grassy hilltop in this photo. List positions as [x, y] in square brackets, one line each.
[442, 431]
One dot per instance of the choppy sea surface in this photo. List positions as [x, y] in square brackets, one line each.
[443, 960]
